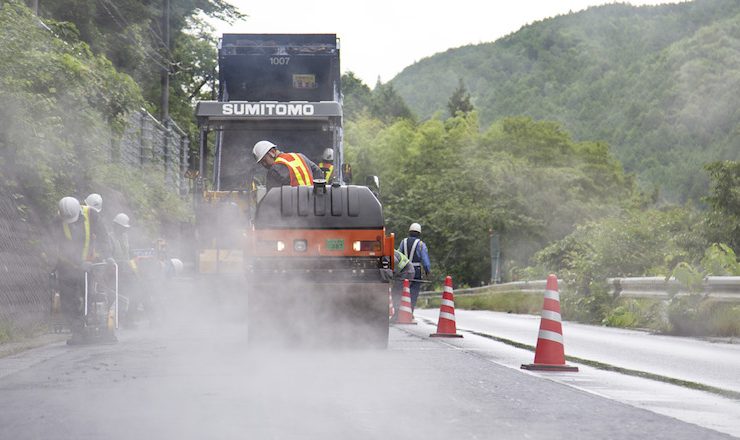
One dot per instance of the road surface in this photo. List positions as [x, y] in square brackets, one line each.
[194, 378]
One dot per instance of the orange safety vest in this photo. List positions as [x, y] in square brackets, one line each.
[86, 251]
[300, 173]
[327, 168]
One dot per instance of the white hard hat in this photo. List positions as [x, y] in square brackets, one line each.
[95, 201]
[69, 209]
[121, 219]
[415, 227]
[328, 154]
[261, 148]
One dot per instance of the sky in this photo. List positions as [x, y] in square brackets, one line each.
[379, 39]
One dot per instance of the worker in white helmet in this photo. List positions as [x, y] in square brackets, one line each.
[95, 201]
[128, 277]
[293, 169]
[416, 251]
[80, 238]
[327, 163]
[119, 235]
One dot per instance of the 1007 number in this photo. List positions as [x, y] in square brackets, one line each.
[279, 61]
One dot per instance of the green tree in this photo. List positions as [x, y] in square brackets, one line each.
[723, 219]
[460, 100]
[459, 183]
[387, 105]
[131, 34]
[357, 96]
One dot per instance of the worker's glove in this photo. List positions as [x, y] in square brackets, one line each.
[386, 275]
[110, 261]
[86, 266]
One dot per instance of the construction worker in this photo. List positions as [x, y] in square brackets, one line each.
[292, 169]
[327, 163]
[119, 238]
[416, 251]
[402, 270]
[95, 201]
[128, 287]
[80, 236]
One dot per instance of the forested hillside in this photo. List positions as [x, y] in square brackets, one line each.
[658, 83]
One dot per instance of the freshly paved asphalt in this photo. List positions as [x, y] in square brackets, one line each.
[193, 377]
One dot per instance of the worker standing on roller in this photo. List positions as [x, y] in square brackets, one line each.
[327, 164]
[416, 251]
[285, 169]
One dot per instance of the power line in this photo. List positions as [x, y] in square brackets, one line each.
[160, 60]
[149, 28]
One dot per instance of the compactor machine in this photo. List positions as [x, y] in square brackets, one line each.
[314, 261]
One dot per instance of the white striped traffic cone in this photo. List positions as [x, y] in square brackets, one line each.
[550, 352]
[446, 325]
[405, 315]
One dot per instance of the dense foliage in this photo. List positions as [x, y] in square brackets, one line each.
[634, 243]
[58, 123]
[657, 83]
[526, 180]
[723, 221]
[131, 34]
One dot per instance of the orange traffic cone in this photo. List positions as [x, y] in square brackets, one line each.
[550, 352]
[405, 315]
[446, 326]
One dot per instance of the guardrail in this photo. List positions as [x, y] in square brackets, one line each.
[718, 287]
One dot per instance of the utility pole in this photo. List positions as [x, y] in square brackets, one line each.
[165, 75]
[36, 7]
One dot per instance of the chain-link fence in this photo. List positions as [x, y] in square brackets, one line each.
[24, 284]
[147, 141]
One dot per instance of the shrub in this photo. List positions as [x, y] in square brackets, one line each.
[637, 313]
[727, 322]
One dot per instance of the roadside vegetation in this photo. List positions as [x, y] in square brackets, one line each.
[68, 80]
[559, 206]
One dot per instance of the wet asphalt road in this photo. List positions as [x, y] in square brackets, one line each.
[196, 379]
